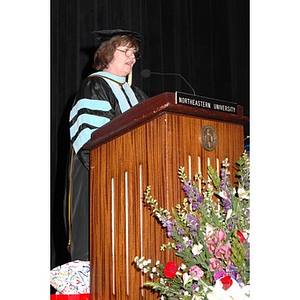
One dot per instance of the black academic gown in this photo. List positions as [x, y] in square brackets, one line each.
[77, 196]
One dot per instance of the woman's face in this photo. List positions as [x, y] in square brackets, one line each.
[122, 62]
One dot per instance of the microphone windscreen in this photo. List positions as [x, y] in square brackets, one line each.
[145, 73]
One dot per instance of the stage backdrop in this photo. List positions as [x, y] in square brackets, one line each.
[206, 41]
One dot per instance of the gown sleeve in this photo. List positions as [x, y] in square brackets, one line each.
[95, 105]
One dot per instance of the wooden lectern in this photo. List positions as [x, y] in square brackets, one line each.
[145, 146]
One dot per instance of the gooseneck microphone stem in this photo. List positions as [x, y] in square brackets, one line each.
[147, 73]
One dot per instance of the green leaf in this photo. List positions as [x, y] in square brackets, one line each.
[213, 176]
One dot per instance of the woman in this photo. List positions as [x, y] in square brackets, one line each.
[101, 97]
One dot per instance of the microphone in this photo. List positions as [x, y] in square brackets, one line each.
[147, 73]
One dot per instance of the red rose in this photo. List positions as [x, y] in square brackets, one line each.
[227, 282]
[241, 236]
[170, 269]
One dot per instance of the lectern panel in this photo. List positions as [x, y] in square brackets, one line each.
[121, 169]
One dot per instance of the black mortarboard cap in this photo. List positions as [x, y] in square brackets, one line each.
[105, 35]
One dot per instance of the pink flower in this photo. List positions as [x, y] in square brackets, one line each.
[228, 267]
[211, 246]
[221, 235]
[196, 272]
[223, 251]
[215, 264]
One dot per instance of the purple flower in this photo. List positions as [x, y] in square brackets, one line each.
[225, 189]
[195, 206]
[179, 248]
[235, 275]
[187, 186]
[164, 222]
[197, 196]
[180, 231]
[233, 272]
[247, 248]
[227, 204]
[200, 198]
[182, 291]
[169, 229]
[192, 222]
[192, 192]
[187, 242]
[219, 275]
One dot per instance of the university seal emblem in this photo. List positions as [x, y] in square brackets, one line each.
[208, 138]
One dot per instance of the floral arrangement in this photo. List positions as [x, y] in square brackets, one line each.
[209, 231]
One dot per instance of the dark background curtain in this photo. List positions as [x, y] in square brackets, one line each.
[206, 41]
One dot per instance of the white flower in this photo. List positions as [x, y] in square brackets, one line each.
[186, 241]
[183, 267]
[234, 292]
[225, 163]
[243, 194]
[245, 234]
[162, 281]
[197, 249]
[209, 230]
[223, 194]
[186, 277]
[229, 212]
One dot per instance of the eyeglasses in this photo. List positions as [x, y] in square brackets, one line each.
[129, 52]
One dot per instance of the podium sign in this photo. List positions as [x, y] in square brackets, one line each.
[145, 146]
[205, 102]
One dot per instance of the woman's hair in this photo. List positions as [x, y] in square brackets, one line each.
[105, 53]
